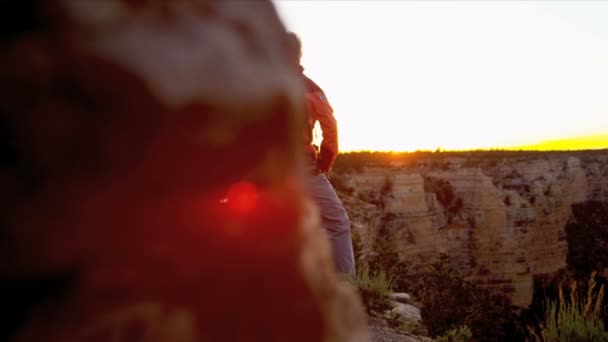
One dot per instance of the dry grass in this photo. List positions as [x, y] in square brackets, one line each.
[577, 318]
[375, 290]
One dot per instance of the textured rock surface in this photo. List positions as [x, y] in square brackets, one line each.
[402, 297]
[407, 312]
[132, 135]
[381, 332]
[502, 222]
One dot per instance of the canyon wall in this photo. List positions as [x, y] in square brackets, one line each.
[501, 221]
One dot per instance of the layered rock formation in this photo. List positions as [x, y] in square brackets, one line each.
[148, 183]
[502, 222]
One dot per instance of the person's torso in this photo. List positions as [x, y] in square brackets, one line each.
[316, 105]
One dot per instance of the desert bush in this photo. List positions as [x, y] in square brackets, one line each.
[459, 334]
[395, 321]
[587, 235]
[385, 256]
[412, 327]
[375, 290]
[449, 302]
[357, 245]
[577, 318]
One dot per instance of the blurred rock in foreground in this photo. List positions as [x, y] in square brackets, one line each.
[149, 183]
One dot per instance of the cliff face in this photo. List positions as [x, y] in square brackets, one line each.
[502, 222]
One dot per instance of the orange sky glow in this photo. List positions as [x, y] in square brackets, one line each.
[459, 75]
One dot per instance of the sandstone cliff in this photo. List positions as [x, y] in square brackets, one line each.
[502, 221]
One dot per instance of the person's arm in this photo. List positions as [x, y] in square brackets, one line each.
[324, 114]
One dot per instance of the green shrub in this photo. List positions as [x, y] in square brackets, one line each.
[449, 302]
[577, 318]
[442, 290]
[459, 334]
[375, 290]
[386, 258]
[395, 321]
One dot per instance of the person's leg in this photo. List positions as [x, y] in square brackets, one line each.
[335, 221]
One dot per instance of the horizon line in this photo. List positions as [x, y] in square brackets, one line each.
[592, 142]
[441, 150]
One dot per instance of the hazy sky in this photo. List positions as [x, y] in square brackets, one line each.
[407, 75]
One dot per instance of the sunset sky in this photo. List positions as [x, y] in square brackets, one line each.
[407, 75]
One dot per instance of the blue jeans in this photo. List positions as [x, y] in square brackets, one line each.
[335, 221]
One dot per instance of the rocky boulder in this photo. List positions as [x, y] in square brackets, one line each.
[149, 181]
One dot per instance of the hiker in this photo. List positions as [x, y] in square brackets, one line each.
[319, 162]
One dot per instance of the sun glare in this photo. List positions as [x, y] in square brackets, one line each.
[415, 75]
[242, 197]
[579, 143]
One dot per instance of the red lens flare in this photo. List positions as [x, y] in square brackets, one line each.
[242, 197]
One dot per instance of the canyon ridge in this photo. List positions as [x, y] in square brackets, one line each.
[499, 215]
